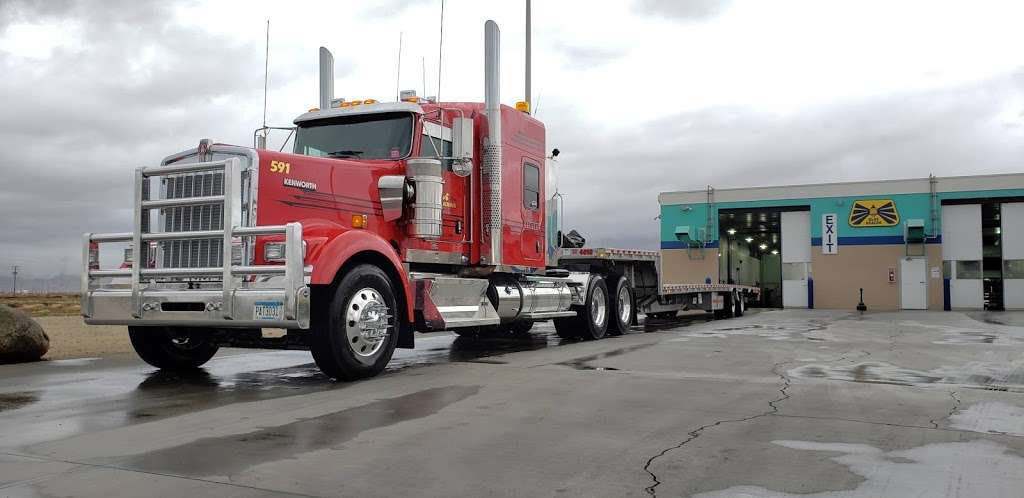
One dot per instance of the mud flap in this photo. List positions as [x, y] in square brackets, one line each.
[406, 336]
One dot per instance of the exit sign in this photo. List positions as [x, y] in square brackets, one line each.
[829, 237]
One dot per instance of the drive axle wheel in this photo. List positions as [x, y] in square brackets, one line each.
[591, 320]
[354, 331]
[622, 307]
[173, 348]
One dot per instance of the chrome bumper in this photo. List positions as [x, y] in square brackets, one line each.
[158, 296]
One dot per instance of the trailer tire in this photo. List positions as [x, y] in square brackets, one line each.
[622, 307]
[173, 348]
[355, 329]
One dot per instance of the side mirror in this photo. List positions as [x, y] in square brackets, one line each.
[462, 146]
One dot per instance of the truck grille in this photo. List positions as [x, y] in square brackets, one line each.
[195, 253]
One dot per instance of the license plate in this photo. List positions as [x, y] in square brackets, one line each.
[268, 310]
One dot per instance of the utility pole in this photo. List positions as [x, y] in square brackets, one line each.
[14, 285]
[528, 61]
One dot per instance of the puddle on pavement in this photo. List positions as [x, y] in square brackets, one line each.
[783, 331]
[229, 455]
[972, 468]
[990, 417]
[583, 363]
[13, 401]
[977, 375]
[975, 330]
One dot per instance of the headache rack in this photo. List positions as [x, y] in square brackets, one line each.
[247, 295]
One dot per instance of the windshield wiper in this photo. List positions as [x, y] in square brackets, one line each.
[345, 153]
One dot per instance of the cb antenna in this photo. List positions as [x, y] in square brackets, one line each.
[266, 78]
[440, 45]
[398, 72]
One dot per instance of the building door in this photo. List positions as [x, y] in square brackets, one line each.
[961, 255]
[913, 284]
[796, 258]
[1012, 228]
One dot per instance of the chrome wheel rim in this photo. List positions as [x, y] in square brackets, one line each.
[598, 307]
[625, 306]
[367, 320]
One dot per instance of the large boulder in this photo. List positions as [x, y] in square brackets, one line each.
[21, 338]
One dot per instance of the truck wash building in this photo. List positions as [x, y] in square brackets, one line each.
[929, 243]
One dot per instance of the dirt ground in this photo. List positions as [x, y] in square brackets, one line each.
[70, 337]
[48, 304]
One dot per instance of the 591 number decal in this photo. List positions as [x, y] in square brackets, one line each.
[280, 167]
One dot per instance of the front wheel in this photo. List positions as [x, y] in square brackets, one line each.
[173, 348]
[354, 332]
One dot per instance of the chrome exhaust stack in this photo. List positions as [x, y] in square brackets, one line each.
[491, 166]
[326, 79]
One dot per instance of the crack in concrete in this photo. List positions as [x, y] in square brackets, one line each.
[956, 406]
[694, 434]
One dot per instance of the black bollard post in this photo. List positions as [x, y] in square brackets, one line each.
[860, 306]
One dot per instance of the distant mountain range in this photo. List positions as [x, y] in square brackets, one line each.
[58, 283]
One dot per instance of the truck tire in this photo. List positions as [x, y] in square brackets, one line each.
[173, 348]
[623, 309]
[596, 313]
[355, 330]
[591, 320]
[728, 307]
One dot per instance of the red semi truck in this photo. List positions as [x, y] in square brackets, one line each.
[385, 220]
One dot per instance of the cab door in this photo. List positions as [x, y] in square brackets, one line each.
[533, 212]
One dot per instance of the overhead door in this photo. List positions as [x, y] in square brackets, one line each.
[1012, 221]
[961, 255]
[796, 257]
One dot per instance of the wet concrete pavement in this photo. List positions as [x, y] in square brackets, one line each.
[776, 403]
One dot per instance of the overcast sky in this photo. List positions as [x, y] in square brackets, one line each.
[640, 96]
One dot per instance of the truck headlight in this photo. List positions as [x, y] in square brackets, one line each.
[275, 251]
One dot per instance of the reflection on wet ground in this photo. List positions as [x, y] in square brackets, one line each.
[101, 394]
[229, 455]
[975, 375]
[972, 468]
[13, 401]
[584, 362]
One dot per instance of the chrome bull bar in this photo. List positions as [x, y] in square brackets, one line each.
[279, 298]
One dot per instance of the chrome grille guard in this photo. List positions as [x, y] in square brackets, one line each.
[279, 298]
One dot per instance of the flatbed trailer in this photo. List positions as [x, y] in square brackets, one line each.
[639, 273]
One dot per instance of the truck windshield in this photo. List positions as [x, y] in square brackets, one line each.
[363, 136]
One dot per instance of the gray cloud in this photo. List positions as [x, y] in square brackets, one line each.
[687, 10]
[140, 87]
[137, 88]
[611, 179]
[580, 57]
